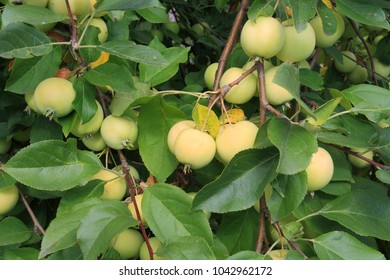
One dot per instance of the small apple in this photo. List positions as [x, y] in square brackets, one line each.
[9, 196]
[320, 170]
[115, 186]
[324, 40]
[358, 75]
[201, 28]
[31, 106]
[276, 94]
[242, 92]
[209, 75]
[119, 132]
[131, 206]
[172, 26]
[348, 63]
[102, 26]
[155, 243]
[81, 129]
[382, 70]
[22, 135]
[78, 7]
[358, 162]
[175, 131]
[262, 38]
[194, 148]
[5, 145]
[94, 142]
[128, 243]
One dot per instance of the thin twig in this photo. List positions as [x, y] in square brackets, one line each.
[31, 213]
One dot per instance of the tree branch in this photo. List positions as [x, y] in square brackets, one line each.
[37, 225]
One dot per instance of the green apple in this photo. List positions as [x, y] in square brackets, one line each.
[94, 142]
[128, 243]
[115, 186]
[119, 132]
[320, 170]
[358, 75]
[242, 92]
[81, 129]
[348, 63]
[358, 162]
[155, 243]
[209, 75]
[78, 7]
[276, 94]
[9, 196]
[172, 26]
[324, 40]
[382, 70]
[5, 145]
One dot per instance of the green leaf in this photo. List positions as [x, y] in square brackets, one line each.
[101, 225]
[246, 255]
[342, 166]
[324, 111]
[296, 145]
[260, 8]
[163, 202]
[13, 231]
[53, 165]
[311, 79]
[154, 14]
[157, 74]
[372, 101]
[364, 12]
[85, 101]
[287, 76]
[137, 53]
[383, 175]
[126, 5]
[155, 120]
[356, 210]
[288, 192]
[239, 230]
[186, 248]
[241, 183]
[220, 4]
[382, 52]
[28, 73]
[6, 180]
[338, 245]
[44, 129]
[302, 11]
[27, 253]
[62, 231]
[20, 40]
[329, 23]
[29, 14]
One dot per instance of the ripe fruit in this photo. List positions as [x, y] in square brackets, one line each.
[29, 97]
[101, 24]
[358, 75]
[94, 142]
[348, 63]
[54, 96]
[324, 40]
[263, 37]
[38, 3]
[8, 198]
[234, 138]
[194, 148]
[115, 186]
[276, 94]
[358, 162]
[320, 170]
[175, 131]
[242, 92]
[119, 132]
[155, 243]
[209, 75]
[138, 199]
[81, 129]
[4, 145]
[297, 46]
[128, 243]
[78, 7]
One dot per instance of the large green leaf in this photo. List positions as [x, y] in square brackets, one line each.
[13, 231]
[154, 14]
[45, 129]
[311, 79]
[155, 120]
[338, 245]
[20, 40]
[170, 204]
[365, 210]
[53, 165]
[186, 248]
[28, 73]
[239, 230]
[6, 180]
[365, 12]
[137, 53]
[85, 101]
[24, 253]
[127, 5]
[241, 183]
[101, 225]
[260, 8]
[302, 11]
[296, 145]
[288, 192]
[247, 255]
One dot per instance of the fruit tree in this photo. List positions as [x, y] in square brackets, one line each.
[134, 129]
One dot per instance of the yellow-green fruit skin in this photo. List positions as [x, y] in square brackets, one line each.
[194, 148]
[131, 207]
[102, 26]
[320, 170]
[263, 37]
[297, 46]
[244, 91]
[81, 129]
[119, 132]
[8, 198]
[234, 138]
[38, 3]
[358, 162]
[78, 7]
[54, 95]
[115, 186]
[128, 243]
[382, 71]
[175, 131]
[155, 243]
[29, 98]
[209, 75]
[358, 75]
[279, 254]
[324, 40]
[347, 65]
[94, 142]
[276, 94]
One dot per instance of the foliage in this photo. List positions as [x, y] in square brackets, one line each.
[151, 70]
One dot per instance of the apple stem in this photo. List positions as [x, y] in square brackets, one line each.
[37, 225]
[130, 182]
